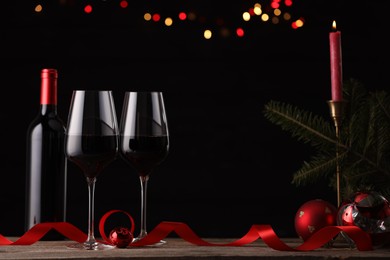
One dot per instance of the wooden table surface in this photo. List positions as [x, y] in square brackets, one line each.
[177, 248]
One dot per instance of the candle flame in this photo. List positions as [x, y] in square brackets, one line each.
[334, 25]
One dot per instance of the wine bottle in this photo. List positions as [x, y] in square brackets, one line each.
[46, 162]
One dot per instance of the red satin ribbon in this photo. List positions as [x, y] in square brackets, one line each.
[39, 230]
[265, 232]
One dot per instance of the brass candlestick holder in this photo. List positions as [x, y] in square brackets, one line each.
[337, 112]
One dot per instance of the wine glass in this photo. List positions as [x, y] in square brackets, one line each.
[91, 142]
[144, 140]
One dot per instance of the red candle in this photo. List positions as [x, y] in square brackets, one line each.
[336, 64]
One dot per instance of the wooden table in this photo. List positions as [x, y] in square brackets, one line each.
[179, 249]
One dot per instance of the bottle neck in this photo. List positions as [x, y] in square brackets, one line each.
[48, 109]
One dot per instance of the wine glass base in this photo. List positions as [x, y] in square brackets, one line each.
[159, 243]
[95, 246]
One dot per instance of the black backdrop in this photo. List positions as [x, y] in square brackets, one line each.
[228, 167]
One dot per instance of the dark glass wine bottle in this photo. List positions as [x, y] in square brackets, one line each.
[46, 162]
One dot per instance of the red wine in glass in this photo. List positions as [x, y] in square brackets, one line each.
[92, 153]
[144, 153]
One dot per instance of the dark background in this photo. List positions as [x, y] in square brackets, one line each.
[228, 167]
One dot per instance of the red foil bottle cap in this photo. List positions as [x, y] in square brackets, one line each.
[49, 86]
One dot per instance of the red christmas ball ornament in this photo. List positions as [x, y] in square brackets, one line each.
[314, 215]
[121, 237]
[369, 211]
[372, 205]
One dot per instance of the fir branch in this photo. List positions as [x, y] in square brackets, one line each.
[356, 121]
[301, 124]
[364, 143]
[320, 166]
[381, 104]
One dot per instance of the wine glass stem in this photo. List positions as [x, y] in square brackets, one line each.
[91, 241]
[144, 185]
